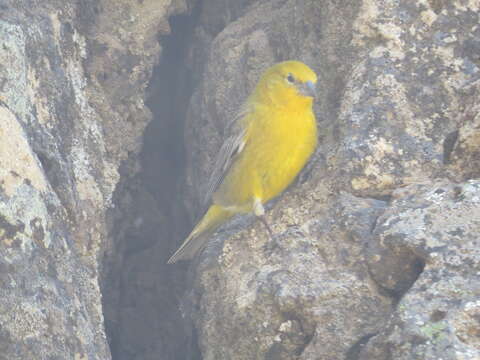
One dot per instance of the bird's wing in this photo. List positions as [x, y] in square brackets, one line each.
[230, 149]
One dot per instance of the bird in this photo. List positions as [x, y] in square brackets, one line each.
[271, 139]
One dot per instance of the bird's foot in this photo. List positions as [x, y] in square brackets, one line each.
[272, 244]
[264, 222]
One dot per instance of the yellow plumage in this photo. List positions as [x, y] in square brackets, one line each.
[271, 141]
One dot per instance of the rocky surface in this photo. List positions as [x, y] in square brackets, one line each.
[373, 258]
[295, 297]
[72, 90]
[111, 113]
[438, 317]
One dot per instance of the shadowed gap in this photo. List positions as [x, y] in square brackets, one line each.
[141, 310]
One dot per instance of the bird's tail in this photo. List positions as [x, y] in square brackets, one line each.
[196, 241]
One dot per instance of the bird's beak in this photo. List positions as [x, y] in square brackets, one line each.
[310, 89]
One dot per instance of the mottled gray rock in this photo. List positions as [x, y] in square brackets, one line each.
[72, 88]
[49, 301]
[396, 80]
[404, 97]
[296, 296]
[462, 146]
[375, 254]
[438, 318]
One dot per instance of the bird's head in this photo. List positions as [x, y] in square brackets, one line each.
[288, 81]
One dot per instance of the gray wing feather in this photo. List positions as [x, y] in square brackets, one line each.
[230, 149]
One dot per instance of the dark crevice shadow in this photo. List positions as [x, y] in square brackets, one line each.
[142, 312]
[354, 352]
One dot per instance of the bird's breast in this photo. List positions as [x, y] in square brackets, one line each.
[278, 145]
[289, 139]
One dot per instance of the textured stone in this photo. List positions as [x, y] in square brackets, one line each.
[438, 316]
[375, 253]
[396, 107]
[462, 146]
[294, 297]
[72, 89]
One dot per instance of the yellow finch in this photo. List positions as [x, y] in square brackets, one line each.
[271, 139]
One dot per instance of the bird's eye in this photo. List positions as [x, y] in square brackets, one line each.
[290, 78]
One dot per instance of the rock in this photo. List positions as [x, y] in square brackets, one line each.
[396, 80]
[295, 299]
[72, 88]
[375, 248]
[438, 317]
[462, 146]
